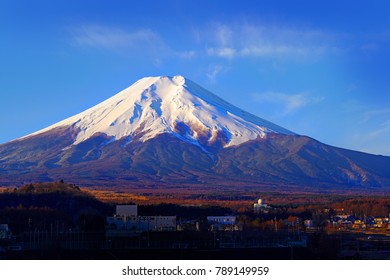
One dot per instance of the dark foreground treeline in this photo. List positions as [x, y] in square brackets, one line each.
[45, 206]
[60, 221]
[58, 206]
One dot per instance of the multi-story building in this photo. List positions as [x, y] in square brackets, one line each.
[127, 219]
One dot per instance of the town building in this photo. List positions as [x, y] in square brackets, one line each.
[223, 220]
[260, 206]
[223, 223]
[127, 219]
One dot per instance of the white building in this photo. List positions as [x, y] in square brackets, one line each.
[156, 223]
[126, 219]
[260, 206]
[222, 220]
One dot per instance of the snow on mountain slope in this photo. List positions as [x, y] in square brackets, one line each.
[175, 105]
[187, 128]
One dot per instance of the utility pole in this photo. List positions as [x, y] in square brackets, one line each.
[293, 228]
[299, 229]
[276, 225]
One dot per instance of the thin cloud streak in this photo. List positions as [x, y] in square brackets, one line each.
[289, 102]
[100, 36]
[383, 129]
[369, 115]
[221, 41]
[223, 35]
[222, 52]
[214, 71]
[264, 51]
[142, 40]
[268, 41]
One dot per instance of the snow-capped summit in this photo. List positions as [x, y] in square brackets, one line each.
[175, 105]
[168, 131]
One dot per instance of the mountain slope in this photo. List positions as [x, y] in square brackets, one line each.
[157, 105]
[168, 131]
[302, 160]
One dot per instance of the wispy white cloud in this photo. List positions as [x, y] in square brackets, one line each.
[214, 71]
[223, 34]
[370, 138]
[289, 102]
[225, 41]
[384, 128]
[222, 52]
[280, 50]
[368, 115]
[369, 127]
[268, 50]
[143, 40]
[268, 41]
[101, 36]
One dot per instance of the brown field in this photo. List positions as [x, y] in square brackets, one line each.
[2, 189]
[239, 200]
[242, 202]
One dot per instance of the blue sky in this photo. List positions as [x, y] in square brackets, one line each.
[319, 68]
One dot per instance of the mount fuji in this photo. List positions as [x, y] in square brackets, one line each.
[173, 105]
[169, 131]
